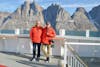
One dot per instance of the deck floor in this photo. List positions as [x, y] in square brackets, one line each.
[19, 60]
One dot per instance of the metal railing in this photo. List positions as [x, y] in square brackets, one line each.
[71, 58]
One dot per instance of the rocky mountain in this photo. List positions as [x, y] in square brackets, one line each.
[81, 20]
[58, 17]
[95, 16]
[61, 19]
[24, 16]
[3, 15]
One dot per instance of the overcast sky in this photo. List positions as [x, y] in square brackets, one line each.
[69, 5]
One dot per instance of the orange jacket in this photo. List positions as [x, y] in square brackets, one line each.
[35, 34]
[47, 35]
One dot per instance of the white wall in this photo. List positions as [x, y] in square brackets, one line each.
[15, 45]
[23, 45]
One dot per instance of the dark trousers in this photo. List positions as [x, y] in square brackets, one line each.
[38, 45]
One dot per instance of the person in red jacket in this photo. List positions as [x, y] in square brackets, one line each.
[48, 34]
[35, 36]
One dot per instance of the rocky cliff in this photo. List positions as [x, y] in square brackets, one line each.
[82, 21]
[2, 16]
[24, 17]
[95, 16]
[58, 17]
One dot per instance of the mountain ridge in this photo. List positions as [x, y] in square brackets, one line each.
[24, 17]
[95, 16]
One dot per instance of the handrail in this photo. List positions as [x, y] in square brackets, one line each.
[58, 36]
[80, 37]
[76, 55]
[77, 43]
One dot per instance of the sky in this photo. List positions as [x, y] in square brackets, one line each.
[69, 5]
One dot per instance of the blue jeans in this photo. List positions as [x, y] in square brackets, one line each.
[38, 45]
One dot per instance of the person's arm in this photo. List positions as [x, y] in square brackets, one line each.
[31, 34]
[52, 34]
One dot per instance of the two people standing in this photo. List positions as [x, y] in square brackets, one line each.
[42, 38]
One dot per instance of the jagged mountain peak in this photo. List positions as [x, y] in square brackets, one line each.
[81, 9]
[34, 5]
[95, 16]
[25, 2]
[24, 16]
[95, 11]
[82, 21]
[57, 15]
[28, 7]
[94, 8]
[56, 6]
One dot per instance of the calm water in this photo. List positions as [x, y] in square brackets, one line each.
[72, 33]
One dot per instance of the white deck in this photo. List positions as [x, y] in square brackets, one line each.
[17, 60]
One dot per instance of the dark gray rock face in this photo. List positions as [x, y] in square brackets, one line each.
[24, 17]
[95, 16]
[58, 17]
[50, 14]
[81, 20]
[61, 19]
[2, 16]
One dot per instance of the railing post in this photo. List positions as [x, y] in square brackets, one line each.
[65, 54]
[62, 33]
[87, 33]
[17, 31]
[71, 61]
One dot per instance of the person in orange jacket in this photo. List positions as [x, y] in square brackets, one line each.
[48, 34]
[35, 36]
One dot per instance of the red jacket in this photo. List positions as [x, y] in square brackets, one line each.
[47, 35]
[35, 34]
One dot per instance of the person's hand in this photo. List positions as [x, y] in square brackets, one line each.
[52, 46]
[51, 41]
